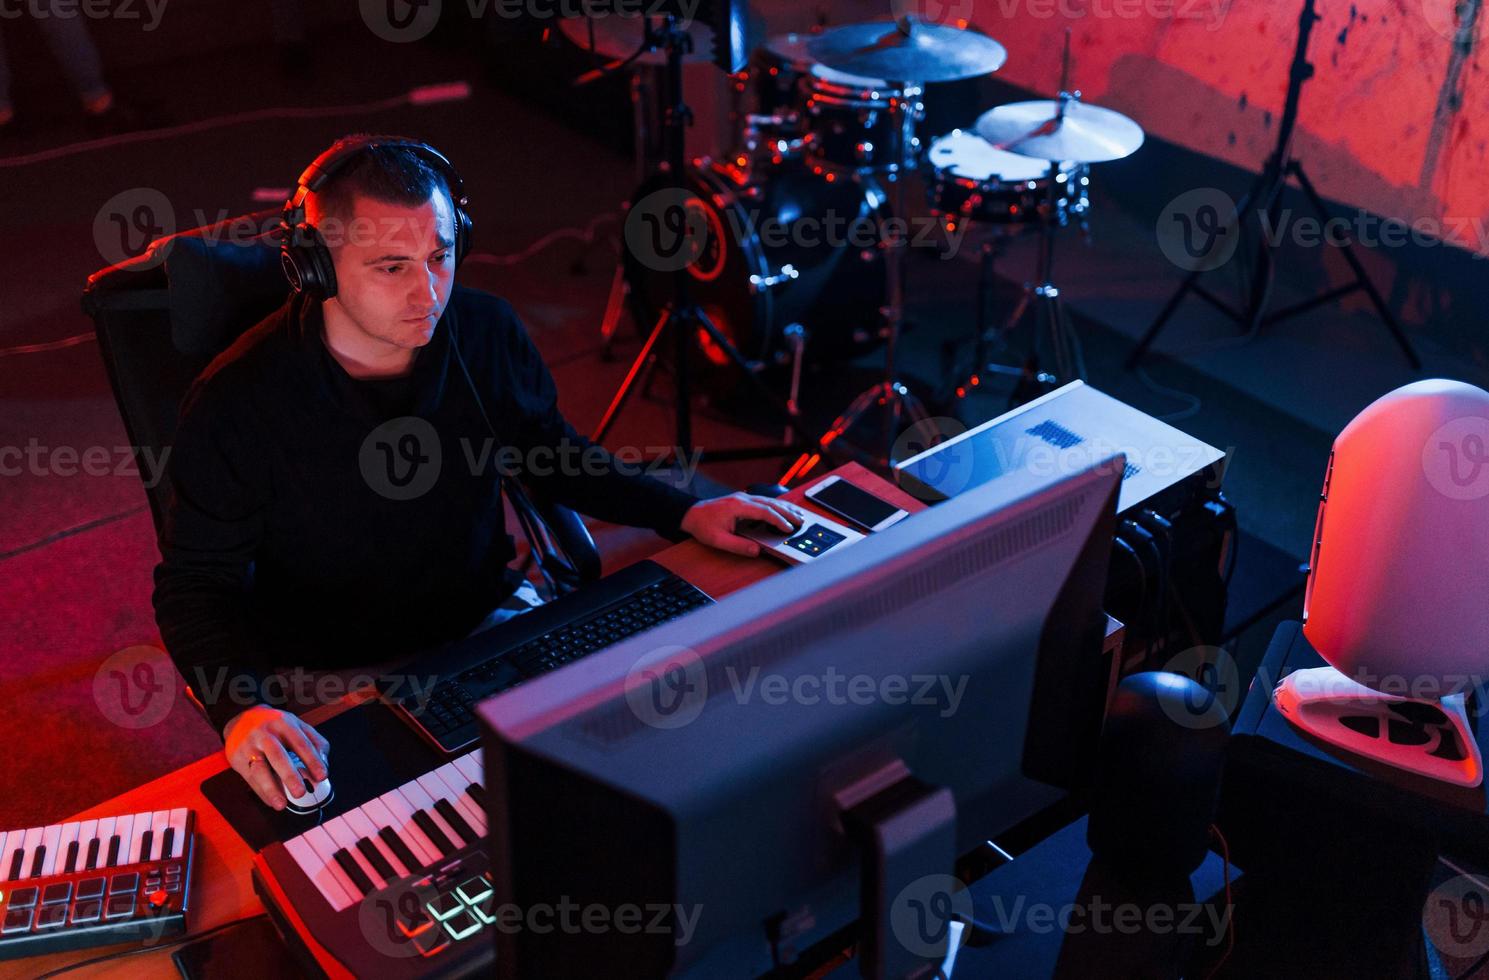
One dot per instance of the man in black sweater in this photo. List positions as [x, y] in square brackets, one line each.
[336, 495]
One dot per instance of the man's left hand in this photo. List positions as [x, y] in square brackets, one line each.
[715, 522]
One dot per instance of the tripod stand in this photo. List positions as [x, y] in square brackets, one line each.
[681, 320]
[1266, 191]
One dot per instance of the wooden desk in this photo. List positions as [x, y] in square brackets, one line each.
[222, 889]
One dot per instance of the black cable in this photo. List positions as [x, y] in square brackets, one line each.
[135, 951]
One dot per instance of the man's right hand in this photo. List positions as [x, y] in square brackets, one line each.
[257, 744]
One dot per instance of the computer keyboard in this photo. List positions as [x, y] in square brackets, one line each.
[632, 600]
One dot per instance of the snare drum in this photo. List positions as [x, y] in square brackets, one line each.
[973, 180]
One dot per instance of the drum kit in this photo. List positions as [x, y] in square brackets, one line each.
[805, 224]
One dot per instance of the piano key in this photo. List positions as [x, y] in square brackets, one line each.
[390, 829]
[137, 831]
[346, 840]
[67, 848]
[391, 866]
[324, 848]
[318, 872]
[14, 844]
[455, 819]
[3, 862]
[159, 821]
[408, 829]
[424, 803]
[435, 832]
[49, 839]
[470, 766]
[456, 782]
[178, 832]
[353, 870]
[438, 790]
[119, 852]
[111, 859]
[98, 854]
[36, 859]
[372, 853]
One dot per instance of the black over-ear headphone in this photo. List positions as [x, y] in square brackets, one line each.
[303, 253]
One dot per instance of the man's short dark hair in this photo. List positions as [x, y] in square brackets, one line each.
[390, 174]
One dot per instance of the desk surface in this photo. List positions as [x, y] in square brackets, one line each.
[223, 889]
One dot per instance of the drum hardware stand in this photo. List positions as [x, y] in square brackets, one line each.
[889, 397]
[682, 317]
[1267, 192]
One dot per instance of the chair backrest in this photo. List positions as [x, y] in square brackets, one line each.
[162, 317]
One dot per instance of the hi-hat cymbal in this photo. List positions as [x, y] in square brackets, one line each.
[1086, 133]
[907, 50]
[617, 36]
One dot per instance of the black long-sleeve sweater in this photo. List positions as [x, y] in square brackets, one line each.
[320, 521]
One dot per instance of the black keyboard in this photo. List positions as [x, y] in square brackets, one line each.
[631, 601]
[95, 882]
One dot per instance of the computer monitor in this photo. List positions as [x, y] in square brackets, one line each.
[678, 798]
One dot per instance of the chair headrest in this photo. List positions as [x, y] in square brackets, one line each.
[223, 279]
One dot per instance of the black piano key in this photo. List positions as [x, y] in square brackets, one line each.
[431, 830]
[146, 839]
[400, 849]
[452, 817]
[375, 858]
[17, 862]
[167, 842]
[113, 858]
[37, 856]
[91, 861]
[70, 863]
[477, 792]
[353, 870]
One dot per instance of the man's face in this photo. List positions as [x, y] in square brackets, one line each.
[395, 267]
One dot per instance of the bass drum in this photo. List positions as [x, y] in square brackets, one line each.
[773, 247]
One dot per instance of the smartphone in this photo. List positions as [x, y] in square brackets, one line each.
[856, 505]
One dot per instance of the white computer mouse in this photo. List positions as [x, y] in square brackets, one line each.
[317, 794]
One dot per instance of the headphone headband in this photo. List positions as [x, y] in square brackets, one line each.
[303, 254]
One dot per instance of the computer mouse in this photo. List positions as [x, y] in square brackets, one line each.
[316, 795]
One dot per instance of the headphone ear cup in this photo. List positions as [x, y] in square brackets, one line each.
[325, 269]
[462, 235]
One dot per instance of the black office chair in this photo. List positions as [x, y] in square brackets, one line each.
[161, 318]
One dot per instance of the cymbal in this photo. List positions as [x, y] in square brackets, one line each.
[1086, 134]
[792, 50]
[617, 36]
[907, 50]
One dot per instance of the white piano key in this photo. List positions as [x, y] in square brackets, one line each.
[410, 832]
[319, 874]
[438, 789]
[421, 800]
[65, 840]
[136, 836]
[8, 844]
[470, 768]
[324, 848]
[362, 825]
[106, 827]
[178, 839]
[473, 812]
[382, 815]
[122, 828]
[87, 831]
[49, 838]
[346, 839]
[159, 821]
[29, 844]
